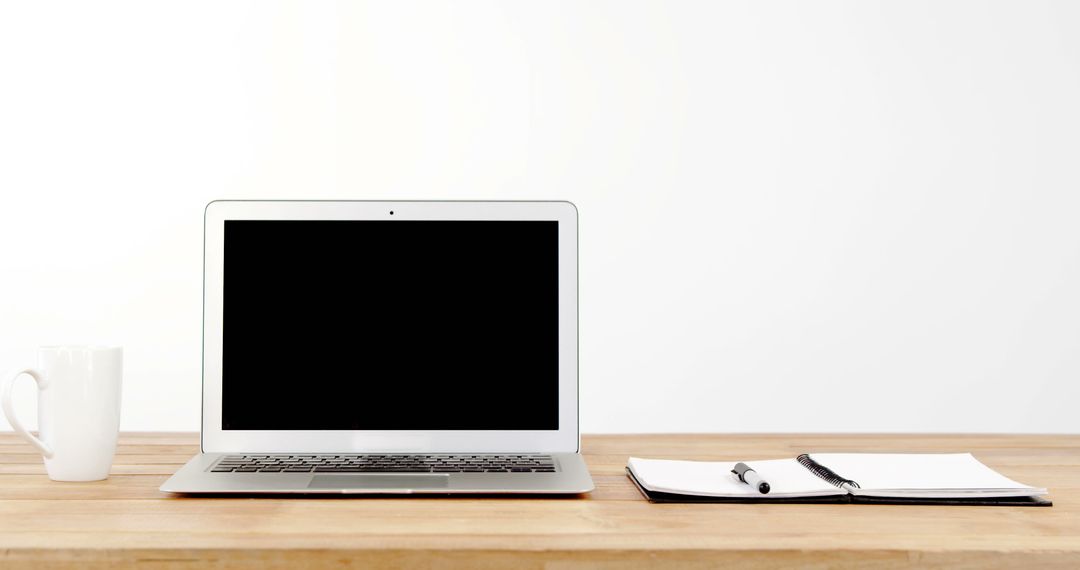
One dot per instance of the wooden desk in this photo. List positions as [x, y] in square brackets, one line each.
[125, 521]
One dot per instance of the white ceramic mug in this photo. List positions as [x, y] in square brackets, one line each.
[78, 410]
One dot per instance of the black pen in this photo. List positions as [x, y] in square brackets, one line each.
[750, 477]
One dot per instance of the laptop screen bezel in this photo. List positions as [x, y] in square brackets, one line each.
[217, 440]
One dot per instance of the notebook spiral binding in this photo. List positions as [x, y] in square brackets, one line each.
[825, 473]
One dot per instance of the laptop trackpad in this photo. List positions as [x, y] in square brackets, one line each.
[379, 482]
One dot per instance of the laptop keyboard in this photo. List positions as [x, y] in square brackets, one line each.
[441, 463]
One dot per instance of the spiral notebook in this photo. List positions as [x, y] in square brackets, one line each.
[895, 478]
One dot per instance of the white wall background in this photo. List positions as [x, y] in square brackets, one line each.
[795, 216]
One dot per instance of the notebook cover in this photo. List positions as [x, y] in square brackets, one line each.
[662, 497]
[959, 501]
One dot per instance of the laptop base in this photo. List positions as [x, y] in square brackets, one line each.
[196, 477]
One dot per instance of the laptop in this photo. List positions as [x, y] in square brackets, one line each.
[389, 348]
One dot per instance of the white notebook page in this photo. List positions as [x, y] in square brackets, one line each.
[922, 475]
[714, 478]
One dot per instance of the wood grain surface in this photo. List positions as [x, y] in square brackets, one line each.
[125, 521]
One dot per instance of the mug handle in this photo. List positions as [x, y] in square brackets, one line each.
[9, 409]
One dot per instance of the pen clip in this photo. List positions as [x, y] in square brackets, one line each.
[740, 471]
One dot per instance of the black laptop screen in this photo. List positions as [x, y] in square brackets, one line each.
[390, 325]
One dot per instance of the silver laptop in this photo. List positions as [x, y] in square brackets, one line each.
[389, 347]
